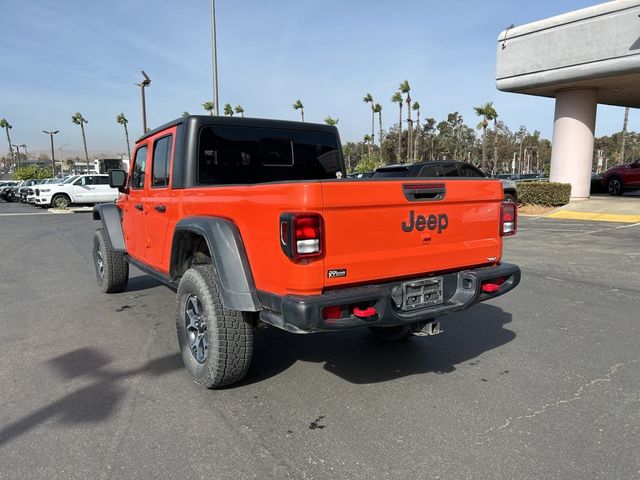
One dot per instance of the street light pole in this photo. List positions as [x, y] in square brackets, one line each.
[214, 58]
[17, 147]
[53, 158]
[145, 83]
[62, 159]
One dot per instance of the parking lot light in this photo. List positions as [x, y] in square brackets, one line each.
[53, 159]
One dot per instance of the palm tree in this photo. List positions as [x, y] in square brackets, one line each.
[209, 107]
[406, 89]
[7, 126]
[367, 140]
[185, 114]
[78, 119]
[624, 135]
[369, 99]
[416, 107]
[122, 120]
[298, 106]
[228, 109]
[495, 140]
[377, 108]
[487, 112]
[331, 121]
[239, 110]
[397, 98]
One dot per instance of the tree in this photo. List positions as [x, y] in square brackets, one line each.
[369, 99]
[209, 107]
[377, 108]
[331, 121]
[368, 141]
[7, 126]
[239, 110]
[78, 119]
[298, 106]
[397, 98]
[228, 109]
[185, 114]
[122, 120]
[406, 89]
[487, 112]
[416, 107]
[624, 135]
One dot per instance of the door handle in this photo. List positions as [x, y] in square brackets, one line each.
[139, 207]
[160, 208]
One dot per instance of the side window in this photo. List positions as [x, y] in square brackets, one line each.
[139, 168]
[430, 171]
[450, 170]
[161, 161]
[469, 171]
[81, 182]
[101, 180]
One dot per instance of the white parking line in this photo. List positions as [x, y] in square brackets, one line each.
[22, 214]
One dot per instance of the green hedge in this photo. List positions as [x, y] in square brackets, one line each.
[548, 194]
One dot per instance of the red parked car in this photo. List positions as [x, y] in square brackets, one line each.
[621, 178]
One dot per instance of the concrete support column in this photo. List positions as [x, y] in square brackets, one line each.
[573, 129]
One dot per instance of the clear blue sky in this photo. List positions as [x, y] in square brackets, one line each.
[78, 55]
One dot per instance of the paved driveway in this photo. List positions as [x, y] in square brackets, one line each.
[541, 383]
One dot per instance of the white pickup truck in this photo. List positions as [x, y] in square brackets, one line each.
[76, 189]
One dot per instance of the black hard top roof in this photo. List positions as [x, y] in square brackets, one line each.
[204, 120]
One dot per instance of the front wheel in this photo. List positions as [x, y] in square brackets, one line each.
[60, 201]
[112, 270]
[614, 186]
[216, 343]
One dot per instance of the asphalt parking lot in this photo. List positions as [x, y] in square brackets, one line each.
[541, 383]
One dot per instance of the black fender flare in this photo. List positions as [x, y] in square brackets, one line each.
[111, 218]
[236, 285]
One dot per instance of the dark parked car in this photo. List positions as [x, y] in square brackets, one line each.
[621, 178]
[443, 168]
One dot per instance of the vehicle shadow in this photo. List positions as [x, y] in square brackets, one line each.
[358, 357]
[141, 282]
[90, 404]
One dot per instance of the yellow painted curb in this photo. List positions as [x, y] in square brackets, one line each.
[594, 216]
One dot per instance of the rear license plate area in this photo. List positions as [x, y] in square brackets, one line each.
[421, 293]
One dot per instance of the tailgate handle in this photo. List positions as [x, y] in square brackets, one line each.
[422, 192]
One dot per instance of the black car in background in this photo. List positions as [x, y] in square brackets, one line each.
[443, 168]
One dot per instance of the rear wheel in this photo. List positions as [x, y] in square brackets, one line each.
[112, 270]
[60, 201]
[216, 343]
[614, 186]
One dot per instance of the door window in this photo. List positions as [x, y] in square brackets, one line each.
[139, 168]
[161, 161]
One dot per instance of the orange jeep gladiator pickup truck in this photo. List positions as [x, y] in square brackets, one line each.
[255, 221]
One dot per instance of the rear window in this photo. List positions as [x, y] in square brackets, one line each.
[392, 172]
[241, 155]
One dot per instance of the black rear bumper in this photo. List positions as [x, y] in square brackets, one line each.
[460, 290]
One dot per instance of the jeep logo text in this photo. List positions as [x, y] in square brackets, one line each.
[432, 222]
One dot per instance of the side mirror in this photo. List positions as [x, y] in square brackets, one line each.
[118, 179]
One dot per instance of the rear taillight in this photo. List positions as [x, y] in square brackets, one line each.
[301, 235]
[508, 219]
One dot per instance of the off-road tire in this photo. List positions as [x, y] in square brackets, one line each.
[60, 200]
[614, 186]
[391, 334]
[112, 270]
[229, 333]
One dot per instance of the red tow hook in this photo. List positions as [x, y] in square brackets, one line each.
[492, 286]
[364, 313]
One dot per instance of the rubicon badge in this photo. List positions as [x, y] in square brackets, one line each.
[341, 272]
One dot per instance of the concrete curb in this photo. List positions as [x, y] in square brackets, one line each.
[59, 211]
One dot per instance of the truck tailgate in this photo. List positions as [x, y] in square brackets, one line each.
[385, 229]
